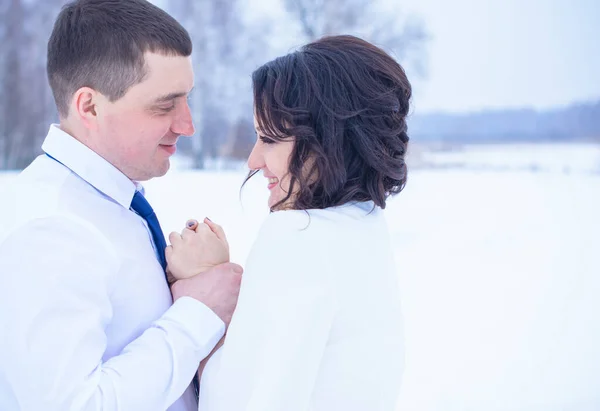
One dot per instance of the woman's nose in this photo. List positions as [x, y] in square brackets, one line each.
[256, 160]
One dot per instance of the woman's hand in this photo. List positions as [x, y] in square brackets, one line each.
[199, 247]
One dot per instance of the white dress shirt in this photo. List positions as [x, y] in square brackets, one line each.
[86, 315]
[318, 324]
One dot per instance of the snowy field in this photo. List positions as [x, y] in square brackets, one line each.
[499, 265]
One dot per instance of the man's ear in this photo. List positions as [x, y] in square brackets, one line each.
[84, 106]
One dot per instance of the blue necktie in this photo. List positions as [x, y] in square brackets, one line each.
[144, 209]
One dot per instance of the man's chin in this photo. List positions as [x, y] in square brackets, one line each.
[158, 171]
[163, 169]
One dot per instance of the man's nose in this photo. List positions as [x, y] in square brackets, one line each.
[183, 124]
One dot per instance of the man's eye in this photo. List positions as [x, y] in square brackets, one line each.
[166, 109]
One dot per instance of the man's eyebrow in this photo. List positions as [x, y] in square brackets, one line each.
[172, 96]
[169, 97]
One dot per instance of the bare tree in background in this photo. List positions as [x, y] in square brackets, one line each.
[27, 106]
[228, 46]
[12, 127]
[223, 53]
[403, 35]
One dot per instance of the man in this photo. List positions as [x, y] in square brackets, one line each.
[88, 320]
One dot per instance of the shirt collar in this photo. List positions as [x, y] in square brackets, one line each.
[90, 166]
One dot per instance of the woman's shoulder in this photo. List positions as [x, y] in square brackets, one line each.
[306, 245]
[289, 249]
[313, 221]
[315, 229]
[290, 222]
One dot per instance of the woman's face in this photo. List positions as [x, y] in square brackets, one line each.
[273, 158]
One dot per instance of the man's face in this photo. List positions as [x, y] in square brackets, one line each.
[138, 132]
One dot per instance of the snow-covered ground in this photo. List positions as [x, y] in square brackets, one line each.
[499, 268]
[557, 157]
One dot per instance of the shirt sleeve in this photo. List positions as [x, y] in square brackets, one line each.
[279, 331]
[56, 276]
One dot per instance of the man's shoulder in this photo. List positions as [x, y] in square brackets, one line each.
[33, 193]
[45, 193]
[40, 179]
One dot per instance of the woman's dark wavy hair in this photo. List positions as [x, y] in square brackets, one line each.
[344, 101]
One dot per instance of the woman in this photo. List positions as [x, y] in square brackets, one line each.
[318, 323]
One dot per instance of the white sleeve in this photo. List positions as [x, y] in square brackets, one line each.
[56, 276]
[279, 331]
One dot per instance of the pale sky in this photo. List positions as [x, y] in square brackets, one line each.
[509, 53]
[496, 54]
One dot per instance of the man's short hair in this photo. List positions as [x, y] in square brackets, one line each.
[101, 44]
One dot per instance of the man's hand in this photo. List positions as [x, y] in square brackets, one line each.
[207, 358]
[217, 288]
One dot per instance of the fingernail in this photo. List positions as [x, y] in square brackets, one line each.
[208, 219]
[238, 270]
[191, 223]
